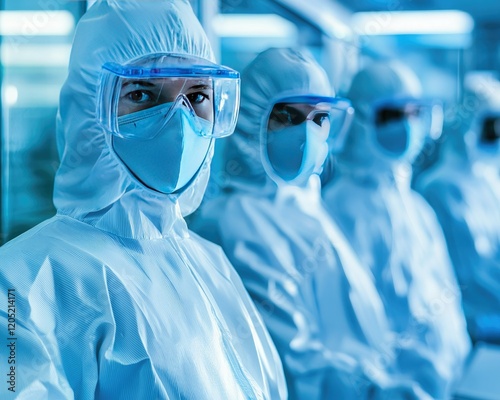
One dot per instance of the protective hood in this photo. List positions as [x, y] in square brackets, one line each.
[274, 73]
[481, 98]
[378, 81]
[92, 184]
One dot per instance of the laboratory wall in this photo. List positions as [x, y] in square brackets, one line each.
[35, 44]
[36, 35]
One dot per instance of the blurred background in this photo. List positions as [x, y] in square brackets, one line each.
[443, 41]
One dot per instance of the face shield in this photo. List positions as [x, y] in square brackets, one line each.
[296, 133]
[403, 125]
[138, 99]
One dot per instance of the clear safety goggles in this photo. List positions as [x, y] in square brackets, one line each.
[429, 114]
[153, 88]
[332, 114]
[490, 132]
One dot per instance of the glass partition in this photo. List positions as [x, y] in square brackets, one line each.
[34, 53]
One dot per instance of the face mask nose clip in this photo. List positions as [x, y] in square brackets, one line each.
[200, 127]
[182, 102]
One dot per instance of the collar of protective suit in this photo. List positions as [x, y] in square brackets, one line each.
[306, 198]
[398, 178]
[92, 184]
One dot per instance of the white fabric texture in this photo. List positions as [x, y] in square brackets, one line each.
[464, 190]
[319, 304]
[398, 239]
[115, 298]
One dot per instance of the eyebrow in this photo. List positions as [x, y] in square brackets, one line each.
[142, 83]
[201, 86]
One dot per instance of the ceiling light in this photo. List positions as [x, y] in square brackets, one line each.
[34, 23]
[412, 22]
[253, 25]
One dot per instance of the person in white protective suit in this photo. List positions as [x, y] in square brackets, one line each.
[113, 298]
[318, 302]
[393, 230]
[464, 190]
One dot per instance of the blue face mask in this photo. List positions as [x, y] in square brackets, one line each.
[168, 161]
[489, 153]
[394, 137]
[401, 138]
[297, 152]
[488, 144]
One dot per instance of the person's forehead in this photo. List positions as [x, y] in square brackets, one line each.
[169, 60]
[170, 81]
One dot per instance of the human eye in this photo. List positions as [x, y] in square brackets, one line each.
[198, 92]
[283, 115]
[140, 92]
[295, 117]
[196, 98]
[200, 96]
[388, 115]
[321, 117]
[139, 96]
[280, 117]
